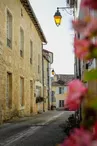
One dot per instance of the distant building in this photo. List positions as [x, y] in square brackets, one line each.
[47, 61]
[59, 89]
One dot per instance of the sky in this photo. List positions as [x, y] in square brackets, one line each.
[60, 39]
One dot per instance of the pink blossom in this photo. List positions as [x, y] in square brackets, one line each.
[85, 49]
[91, 29]
[79, 25]
[73, 105]
[79, 137]
[76, 91]
[87, 26]
[95, 130]
[94, 143]
[81, 48]
[89, 3]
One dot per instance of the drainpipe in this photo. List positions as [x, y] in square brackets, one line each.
[48, 76]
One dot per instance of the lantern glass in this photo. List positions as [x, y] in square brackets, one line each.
[57, 20]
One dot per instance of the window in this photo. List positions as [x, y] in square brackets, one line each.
[9, 90]
[31, 51]
[53, 99]
[61, 90]
[21, 12]
[21, 42]
[61, 103]
[9, 29]
[38, 63]
[21, 91]
[31, 96]
[31, 84]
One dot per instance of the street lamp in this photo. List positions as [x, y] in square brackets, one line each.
[53, 72]
[57, 17]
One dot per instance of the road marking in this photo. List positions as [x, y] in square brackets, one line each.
[51, 119]
[26, 133]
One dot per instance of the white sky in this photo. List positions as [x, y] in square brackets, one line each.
[60, 38]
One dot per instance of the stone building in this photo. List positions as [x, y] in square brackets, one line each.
[21, 43]
[59, 89]
[47, 61]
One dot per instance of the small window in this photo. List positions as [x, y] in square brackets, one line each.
[9, 90]
[61, 103]
[21, 12]
[21, 91]
[61, 90]
[31, 84]
[31, 51]
[21, 42]
[9, 29]
[38, 63]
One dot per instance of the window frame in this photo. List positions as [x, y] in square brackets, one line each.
[9, 33]
[22, 92]
[38, 63]
[61, 89]
[31, 51]
[9, 90]
[61, 103]
[21, 40]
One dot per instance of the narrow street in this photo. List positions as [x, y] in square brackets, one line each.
[40, 130]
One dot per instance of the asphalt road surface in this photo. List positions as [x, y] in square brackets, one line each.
[43, 130]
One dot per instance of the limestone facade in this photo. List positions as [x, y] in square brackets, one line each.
[47, 61]
[19, 75]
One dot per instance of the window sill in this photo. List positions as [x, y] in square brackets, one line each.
[10, 48]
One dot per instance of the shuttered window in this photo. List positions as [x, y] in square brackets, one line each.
[61, 90]
[21, 91]
[31, 51]
[9, 29]
[21, 42]
[9, 90]
[38, 63]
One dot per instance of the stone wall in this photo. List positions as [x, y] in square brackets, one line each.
[10, 60]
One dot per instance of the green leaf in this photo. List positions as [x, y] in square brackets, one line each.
[90, 75]
[92, 103]
[94, 52]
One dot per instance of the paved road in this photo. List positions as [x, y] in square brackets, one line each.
[40, 130]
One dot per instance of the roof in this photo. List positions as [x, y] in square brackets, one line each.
[47, 51]
[62, 79]
[48, 56]
[26, 4]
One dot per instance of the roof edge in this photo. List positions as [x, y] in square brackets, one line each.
[26, 4]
